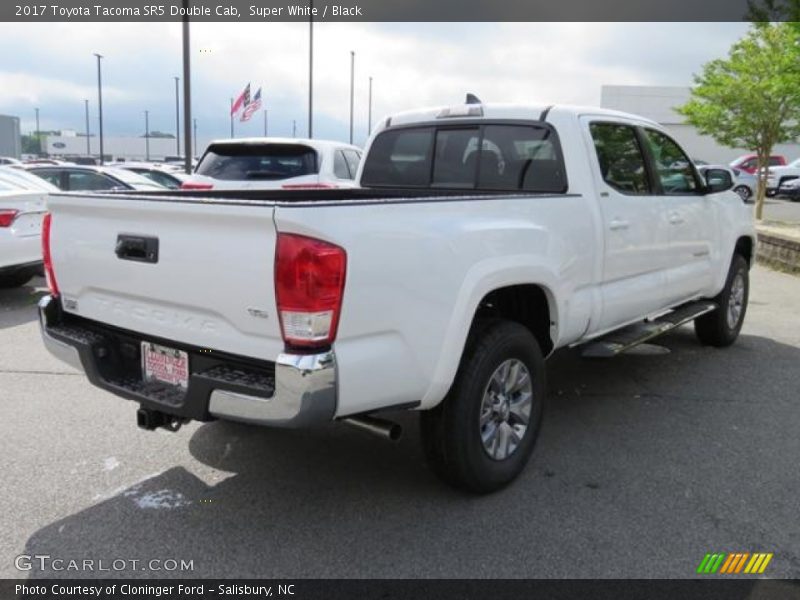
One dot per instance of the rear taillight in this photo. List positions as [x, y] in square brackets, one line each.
[47, 256]
[188, 185]
[7, 216]
[309, 284]
[309, 186]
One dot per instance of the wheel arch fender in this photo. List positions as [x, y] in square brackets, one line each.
[482, 281]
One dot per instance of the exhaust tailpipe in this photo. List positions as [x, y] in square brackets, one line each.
[380, 427]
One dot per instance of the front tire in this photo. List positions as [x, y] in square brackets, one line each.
[482, 434]
[721, 327]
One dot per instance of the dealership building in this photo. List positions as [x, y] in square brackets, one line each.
[658, 103]
[72, 144]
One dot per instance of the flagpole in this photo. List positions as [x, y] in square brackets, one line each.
[352, 90]
[311, 70]
[231, 118]
[369, 117]
[187, 96]
[265, 123]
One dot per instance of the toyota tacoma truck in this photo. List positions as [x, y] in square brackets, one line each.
[483, 238]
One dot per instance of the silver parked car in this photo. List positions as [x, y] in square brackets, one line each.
[744, 183]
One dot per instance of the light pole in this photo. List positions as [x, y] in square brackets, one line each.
[187, 93]
[310, 70]
[38, 141]
[100, 102]
[86, 110]
[147, 135]
[352, 90]
[369, 111]
[177, 120]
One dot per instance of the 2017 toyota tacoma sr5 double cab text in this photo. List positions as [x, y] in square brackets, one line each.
[483, 238]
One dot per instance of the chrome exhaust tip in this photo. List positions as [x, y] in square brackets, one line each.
[387, 430]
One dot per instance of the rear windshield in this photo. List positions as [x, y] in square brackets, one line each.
[500, 157]
[258, 161]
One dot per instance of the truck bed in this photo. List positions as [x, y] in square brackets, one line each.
[332, 196]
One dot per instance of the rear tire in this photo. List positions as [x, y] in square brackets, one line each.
[16, 278]
[721, 327]
[482, 434]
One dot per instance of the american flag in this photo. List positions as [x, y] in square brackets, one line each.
[251, 107]
[241, 101]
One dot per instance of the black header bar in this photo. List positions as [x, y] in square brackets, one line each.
[375, 10]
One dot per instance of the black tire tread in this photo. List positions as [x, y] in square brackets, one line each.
[712, 328]
[445, 455]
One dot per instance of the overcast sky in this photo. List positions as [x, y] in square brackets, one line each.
[50, 66]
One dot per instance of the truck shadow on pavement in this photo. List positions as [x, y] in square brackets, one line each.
[18, 305]
[618, 468]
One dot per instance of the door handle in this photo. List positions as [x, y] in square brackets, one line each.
[618, 225]
[676, 219]
[137, 248]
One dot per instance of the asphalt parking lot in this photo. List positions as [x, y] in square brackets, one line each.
[781, 209]
[646, 462]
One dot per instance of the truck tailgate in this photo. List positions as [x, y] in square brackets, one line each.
[210, 284]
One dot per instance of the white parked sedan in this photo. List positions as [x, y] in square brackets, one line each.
[275, 163]
[25, 180]
[21, 213]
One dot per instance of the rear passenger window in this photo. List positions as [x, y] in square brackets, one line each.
[340, 166]
[353, 159]
[620, 158]
[90, 182]
[53, 177]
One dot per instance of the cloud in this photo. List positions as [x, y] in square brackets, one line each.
[50, 65]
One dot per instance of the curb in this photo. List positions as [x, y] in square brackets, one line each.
[778, 251]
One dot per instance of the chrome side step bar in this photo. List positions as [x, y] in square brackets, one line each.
[628, 337]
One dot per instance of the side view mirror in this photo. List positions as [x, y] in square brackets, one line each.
[718, 180]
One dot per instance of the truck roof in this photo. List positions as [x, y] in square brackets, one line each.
[508, 111]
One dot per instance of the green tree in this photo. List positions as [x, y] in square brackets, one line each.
[752, 98]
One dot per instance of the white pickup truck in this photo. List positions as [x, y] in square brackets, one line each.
[484, 238]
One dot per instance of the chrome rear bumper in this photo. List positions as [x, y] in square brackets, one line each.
[303, 391]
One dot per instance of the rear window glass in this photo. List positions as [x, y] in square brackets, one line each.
[258, 161]
[491, 157]
[400, 158]
[520, 158]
